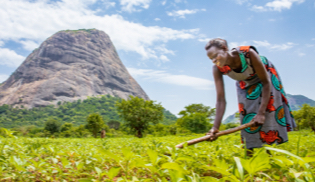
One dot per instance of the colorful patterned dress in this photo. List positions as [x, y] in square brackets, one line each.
[279, 119]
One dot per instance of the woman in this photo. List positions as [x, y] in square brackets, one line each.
[261, 96]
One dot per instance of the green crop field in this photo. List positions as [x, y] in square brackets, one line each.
[155, 159]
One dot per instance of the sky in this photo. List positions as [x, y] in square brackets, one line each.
[161, 42]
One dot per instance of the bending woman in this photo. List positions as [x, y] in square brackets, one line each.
[261, 96]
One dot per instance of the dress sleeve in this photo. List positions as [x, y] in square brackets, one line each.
[245, 50]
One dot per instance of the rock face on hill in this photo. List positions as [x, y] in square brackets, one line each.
[68, 66]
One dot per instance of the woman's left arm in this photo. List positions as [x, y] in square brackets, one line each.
[265, 80]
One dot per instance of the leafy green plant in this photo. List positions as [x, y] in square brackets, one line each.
[154, 159]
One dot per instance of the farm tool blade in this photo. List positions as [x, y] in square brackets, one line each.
[221, 133]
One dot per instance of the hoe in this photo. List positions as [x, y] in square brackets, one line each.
[207, 137]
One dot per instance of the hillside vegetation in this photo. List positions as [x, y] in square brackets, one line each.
[67, 112]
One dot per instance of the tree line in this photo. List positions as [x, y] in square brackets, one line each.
[119, 118]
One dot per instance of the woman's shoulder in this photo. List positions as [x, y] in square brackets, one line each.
[245, 50]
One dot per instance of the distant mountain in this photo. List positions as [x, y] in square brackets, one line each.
[295, 101]
[231, 119]
[68, 66]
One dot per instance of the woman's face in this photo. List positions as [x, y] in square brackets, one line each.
[217, 55]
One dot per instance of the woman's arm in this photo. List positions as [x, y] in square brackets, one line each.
[265, 80]
[220, 102]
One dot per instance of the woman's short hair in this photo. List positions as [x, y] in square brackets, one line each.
[217, 42]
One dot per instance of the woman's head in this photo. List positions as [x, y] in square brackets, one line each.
[217, 51]
[217, 42]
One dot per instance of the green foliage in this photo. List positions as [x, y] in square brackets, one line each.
[52, 125]
[66, 127]
[198, 108]
[138, 114]
[162, 130]
[113, 124]
[71, 112]
[67, 112]
[155, 159]
[305, 117]
[231, 125]
[77, 31]
[169, 118]
[94, 123]
[196, 118]
[237, 115]
[6, 133]
[25, 130]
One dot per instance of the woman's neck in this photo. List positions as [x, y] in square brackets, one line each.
[234, 60]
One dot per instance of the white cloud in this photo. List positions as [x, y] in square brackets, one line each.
[277, 5]
[301, 54]
[163, 2]
[262, 43]
[313, 39]
[276, 47]
[240, 2]
[163, 58]
[164, 77]
[309, 45]
[29, 45]
[164, 50]
[1, 43]
[130, 5]
[109, 4]
[259, 8]
[182, 13]
[36, 21]
[10, 58]
[205, 40]
[3, 78]
[157, 19]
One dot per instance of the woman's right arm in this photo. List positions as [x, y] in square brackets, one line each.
[220, 102]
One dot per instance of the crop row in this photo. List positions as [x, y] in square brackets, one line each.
[155, 159]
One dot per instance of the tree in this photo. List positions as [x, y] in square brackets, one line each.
[66, 127]
[94, 123]
[52, 125]
[114, 124]
[138, 114]
[305, 117]
[196, 118]
[24, 130]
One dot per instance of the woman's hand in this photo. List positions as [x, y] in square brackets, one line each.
[259, 119]
[212, 134]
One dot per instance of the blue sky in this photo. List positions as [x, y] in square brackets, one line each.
[162, 42]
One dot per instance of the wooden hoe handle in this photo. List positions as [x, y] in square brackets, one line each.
[207, 137]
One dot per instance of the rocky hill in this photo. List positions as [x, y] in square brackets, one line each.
[68, 66]
[295, 101]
